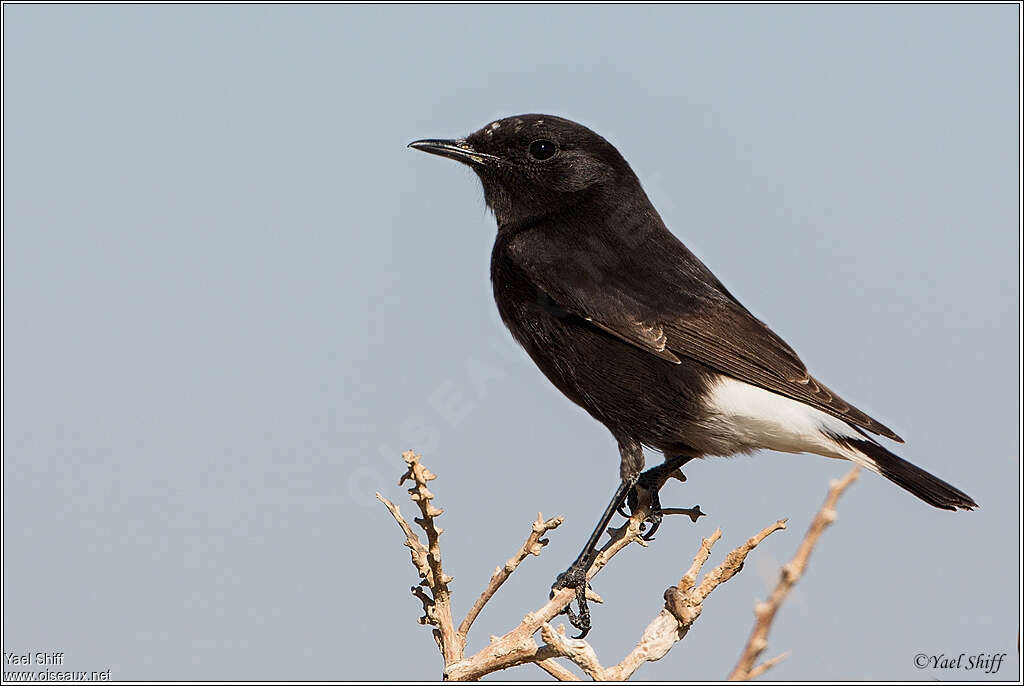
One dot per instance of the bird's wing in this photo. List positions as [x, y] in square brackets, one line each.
[677, 308]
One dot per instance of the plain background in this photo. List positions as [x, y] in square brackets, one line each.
[232, 297]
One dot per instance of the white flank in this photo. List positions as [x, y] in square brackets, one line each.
[755, 418]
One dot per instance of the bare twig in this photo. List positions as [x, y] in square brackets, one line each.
[427, 559]
[533, 545]
[693, 513]
[791, 572]
[766, 665]
[556, 670]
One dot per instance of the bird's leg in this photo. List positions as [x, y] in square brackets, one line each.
[576, 575]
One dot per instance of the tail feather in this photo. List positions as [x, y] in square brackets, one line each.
[912, 478]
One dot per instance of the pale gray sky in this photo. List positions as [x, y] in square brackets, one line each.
[232, 297]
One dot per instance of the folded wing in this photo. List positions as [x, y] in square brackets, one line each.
[673, 307]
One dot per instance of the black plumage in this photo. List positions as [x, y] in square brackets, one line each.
[633, 328]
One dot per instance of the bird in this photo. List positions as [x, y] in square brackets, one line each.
[632, 327]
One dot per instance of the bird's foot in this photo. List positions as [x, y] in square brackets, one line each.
[647, 488]
[576, 578]
[644, 488]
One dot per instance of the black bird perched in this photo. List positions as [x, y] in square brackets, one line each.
[633, 328]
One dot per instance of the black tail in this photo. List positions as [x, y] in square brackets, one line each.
[928, 488]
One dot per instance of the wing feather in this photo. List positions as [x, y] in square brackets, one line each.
[676, 308]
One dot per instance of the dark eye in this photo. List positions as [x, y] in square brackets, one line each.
[542, 149]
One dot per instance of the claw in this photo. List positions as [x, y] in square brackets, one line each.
[649, 536]
[580, 621]
[576, 578]
[649, 482]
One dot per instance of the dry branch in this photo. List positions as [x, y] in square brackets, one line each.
[518, 645]
[437, 608]
[683, 602]
[791, 572]
[556, 670]
[534, 544]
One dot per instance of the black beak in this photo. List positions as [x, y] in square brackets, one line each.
[457, 150]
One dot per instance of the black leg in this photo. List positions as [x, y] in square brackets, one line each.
[632, 460]
[576, 575]
[590, 549]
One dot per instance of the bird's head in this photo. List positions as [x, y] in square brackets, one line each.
[532, 165]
